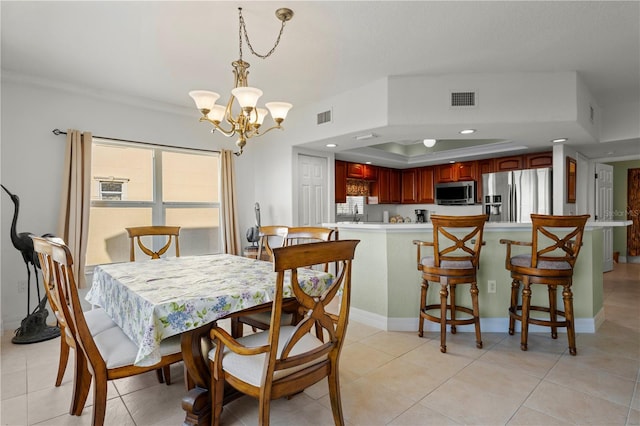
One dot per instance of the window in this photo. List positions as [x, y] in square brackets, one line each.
[111, 188]
[138, 185]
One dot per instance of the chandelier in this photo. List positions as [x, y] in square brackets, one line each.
[245, 123]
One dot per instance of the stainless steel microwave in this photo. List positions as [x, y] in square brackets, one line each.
[456, 193]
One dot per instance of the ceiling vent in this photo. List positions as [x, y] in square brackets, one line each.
[324, 117]
[463, 99]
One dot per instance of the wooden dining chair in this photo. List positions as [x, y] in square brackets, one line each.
[457, 241]
[270, 236]
[310, 234]
[287, 359]
[136, 233]
[107, 355]
[555, 245]
[97, 319]
[259, 320]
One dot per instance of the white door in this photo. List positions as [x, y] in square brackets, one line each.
[604, 210]
[312, 191]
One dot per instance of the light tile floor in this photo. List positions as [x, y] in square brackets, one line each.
[392, 378]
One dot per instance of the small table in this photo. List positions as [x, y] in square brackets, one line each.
[152, 300]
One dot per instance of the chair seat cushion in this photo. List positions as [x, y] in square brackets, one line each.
[429, 261]
[118, 350]
[250, 368]
[98, 321]
[524, 261]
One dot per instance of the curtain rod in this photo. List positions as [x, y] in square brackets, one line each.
[58, 132]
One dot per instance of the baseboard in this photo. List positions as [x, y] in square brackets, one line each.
[489, 325]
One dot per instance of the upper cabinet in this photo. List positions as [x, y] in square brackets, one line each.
[504, 164]
[485, 166]
[538, 160]
[341, 182]
[409, 186]
[455, 172]
[426, 192]
[362, 171]
[388, 186]
[416, 185]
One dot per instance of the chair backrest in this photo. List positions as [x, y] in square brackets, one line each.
[310, 234]
[270, 237]
[137, 232]
[287, 260]
[447, 246]
[556, 238]
[44, 253]
[65, 291]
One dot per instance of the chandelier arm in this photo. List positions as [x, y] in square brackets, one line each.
[227, 133]
[228, 116]
[256, 134]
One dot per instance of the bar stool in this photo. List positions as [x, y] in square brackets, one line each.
[555, 244]
[454, 261]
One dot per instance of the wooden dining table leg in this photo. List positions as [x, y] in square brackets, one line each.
[197, 403]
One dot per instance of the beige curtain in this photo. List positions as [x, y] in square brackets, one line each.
[228, 215]
[73, 224]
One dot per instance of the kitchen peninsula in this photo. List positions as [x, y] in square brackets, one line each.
[386, 282]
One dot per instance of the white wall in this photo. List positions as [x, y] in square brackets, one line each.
[32, 158]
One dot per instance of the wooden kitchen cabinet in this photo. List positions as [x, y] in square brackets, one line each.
[387, 187]
[426, 192]
[362, 171]
[445, 173]
[454, 172]
[341, 182]
[355, 170]
[538, 160]
[395, 186]
[485, 166]
[370, 172]
[467, 170]
[417, 185]
[504, 164]
[409, 186]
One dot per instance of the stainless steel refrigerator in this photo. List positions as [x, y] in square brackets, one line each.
[513, 196]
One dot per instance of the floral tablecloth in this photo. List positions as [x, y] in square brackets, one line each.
[155, 299]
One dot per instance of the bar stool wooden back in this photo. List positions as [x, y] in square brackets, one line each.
[456, 253]
[555, 244]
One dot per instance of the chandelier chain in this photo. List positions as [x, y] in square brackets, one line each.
[243, 29]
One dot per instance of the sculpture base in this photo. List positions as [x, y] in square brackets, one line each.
[34, 329]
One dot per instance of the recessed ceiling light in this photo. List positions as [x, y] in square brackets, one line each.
[560, 140]
[367, 162]
[467, 131]
[429, 142]
[331, 145]
[451, 162]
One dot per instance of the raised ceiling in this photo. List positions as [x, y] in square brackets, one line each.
[158, 51]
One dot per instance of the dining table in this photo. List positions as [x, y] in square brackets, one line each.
[152, 300]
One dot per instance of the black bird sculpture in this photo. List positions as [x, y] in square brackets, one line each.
[34, 325]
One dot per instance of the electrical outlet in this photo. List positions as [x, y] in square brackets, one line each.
[491, 286]
[22, 286]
